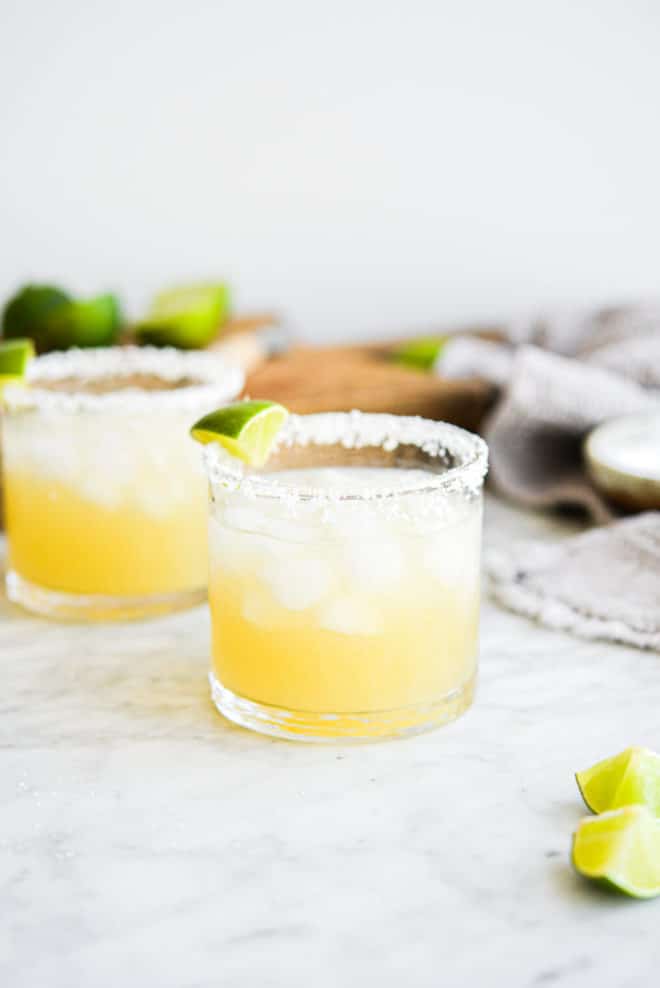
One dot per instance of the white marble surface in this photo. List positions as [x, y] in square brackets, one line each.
[145, 842]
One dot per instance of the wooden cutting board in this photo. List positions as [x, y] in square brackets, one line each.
[341, 378]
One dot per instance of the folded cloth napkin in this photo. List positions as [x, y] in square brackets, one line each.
[602, 584]
[559, 376]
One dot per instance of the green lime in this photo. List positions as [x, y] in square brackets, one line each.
[31, 312]
[246, 429]
[620, 848]
[85, 323]
[628, 778]
[186, 317]
[15, 355]
[97, 321]
[55, 321]
[420, 353]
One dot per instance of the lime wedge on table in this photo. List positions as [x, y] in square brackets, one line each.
[630, 777]
[620, 849]
[187, 317]
[55, 321]
[420, 353]
[246, 429]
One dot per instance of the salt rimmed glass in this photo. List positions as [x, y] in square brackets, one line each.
[105, 494]
[341, 606]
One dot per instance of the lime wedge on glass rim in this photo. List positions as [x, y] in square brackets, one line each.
[631, 777]
[15, 355]
[246, 429]
[186, 317]
[620, 849]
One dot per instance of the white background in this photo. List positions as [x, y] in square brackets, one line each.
[365, 167]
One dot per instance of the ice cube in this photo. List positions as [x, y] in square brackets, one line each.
[257, 609]
[356, 520]
[452, 556]
[101, 489]
[229, 550]
[290, 530]
[297, 582]
[351, 616]
[269, 519]
[244, 517]
[377, 564]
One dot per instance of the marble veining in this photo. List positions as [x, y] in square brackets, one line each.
[145, 842]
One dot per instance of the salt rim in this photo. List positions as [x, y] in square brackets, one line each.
[218, 380]
[358, 430]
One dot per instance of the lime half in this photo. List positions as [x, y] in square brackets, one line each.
[15, 355]
[628, 778]
[246, 429]
[620, 849]
[186, 317]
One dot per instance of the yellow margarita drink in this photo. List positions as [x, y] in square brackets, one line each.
[344, 583]
[104, 490]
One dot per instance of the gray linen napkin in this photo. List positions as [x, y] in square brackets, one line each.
[559, 376]
[602, 584]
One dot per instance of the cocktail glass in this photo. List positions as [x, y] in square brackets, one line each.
[344, 578]
[105, 493]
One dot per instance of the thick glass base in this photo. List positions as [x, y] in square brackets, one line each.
[298, 725]
[96, 607]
